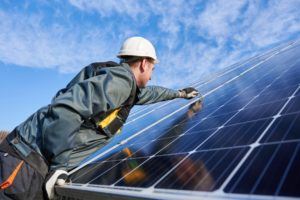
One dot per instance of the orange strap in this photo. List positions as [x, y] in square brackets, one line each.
[12, 177]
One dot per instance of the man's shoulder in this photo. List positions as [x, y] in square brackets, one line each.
[110, 69]
[119, 68]
[104, 64]
[99, 68]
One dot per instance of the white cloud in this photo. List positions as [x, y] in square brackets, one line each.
[193, 37]
[275, 23]
[131, 8]
[25, 41]
[247, 25]
[217, 18]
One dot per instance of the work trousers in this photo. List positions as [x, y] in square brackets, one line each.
[18, 180]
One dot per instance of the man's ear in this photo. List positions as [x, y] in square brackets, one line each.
[143, 65]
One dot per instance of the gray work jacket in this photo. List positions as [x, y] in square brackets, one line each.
[56, 131]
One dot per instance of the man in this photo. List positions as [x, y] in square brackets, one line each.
[80, 119]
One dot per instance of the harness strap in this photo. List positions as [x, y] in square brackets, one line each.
[9, 181]
[33, 158]
[112, 116]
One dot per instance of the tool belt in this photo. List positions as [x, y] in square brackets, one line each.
[33, 158]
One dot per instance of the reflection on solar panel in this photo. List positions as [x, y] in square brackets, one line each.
[243, 143]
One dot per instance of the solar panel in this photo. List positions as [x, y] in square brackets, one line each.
[242, 143]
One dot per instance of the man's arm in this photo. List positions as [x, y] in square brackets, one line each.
[153, 94]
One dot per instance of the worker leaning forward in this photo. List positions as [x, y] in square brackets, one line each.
[57, 137]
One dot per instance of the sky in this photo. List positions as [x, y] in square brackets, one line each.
[44, 43]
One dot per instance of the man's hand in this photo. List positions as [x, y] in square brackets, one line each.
[57, 177]
[188, 93]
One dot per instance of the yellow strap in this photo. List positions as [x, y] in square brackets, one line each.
[104, 123]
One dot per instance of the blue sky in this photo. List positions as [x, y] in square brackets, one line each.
[44, 43]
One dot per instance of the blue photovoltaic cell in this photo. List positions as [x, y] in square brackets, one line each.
[236, 135]
[293, 106]
[150, 172]
[244, 139]
[95, 170]
[113, 174]
[258, 112]
[187, 142]
[276, 174]
[204, 171]
[286, 127]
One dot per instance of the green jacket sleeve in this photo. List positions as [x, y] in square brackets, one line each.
[98, 94]
[153, 94]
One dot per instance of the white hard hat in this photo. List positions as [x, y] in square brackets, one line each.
[138, 46]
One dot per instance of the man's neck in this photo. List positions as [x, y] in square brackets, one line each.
[135, 71]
